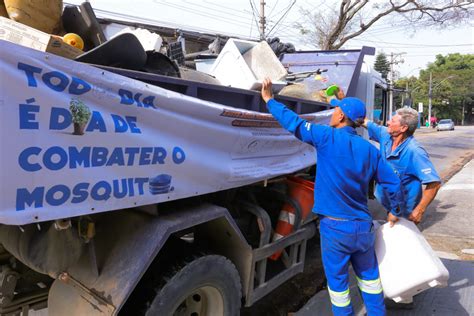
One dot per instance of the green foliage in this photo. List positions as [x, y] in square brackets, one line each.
[452, 86]
[80, 112]
[381, 65]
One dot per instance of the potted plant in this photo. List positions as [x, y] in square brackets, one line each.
[80, 115]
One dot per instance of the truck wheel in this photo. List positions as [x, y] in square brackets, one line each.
[205, 286]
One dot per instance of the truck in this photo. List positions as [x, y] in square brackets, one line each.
[127, 192]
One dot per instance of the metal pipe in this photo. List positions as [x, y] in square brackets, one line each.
[261, 214]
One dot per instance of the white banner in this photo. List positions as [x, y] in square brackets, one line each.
[77, 140]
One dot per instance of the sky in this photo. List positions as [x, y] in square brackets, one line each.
[237, 18]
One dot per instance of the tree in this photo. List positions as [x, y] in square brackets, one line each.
[402, 92]
[456, 93]
[382, 65]
[452, 87]
[332, 28]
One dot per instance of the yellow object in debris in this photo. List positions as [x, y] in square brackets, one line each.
[74, 40]
[39, 14]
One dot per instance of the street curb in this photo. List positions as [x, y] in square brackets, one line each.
[425, 131]
[457, 166]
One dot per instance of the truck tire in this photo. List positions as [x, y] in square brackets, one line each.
[205, 286]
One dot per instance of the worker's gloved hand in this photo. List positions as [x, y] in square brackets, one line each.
[392, 219]
[267, 90]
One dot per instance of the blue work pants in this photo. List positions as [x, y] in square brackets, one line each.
[344, 241]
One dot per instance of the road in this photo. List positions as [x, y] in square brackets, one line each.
[448, 149]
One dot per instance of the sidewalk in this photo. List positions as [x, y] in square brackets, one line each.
[448, 227]
[449, 221]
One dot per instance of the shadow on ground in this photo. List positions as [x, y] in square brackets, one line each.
[455, 299]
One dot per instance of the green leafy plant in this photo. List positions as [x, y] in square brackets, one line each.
[80, 112]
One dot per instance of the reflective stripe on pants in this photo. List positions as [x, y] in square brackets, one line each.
[370, 286]
[340, 299]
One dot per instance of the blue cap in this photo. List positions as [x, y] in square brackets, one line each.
[353, 108]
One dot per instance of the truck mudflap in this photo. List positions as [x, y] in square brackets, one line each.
[126, 244]
[120, 142]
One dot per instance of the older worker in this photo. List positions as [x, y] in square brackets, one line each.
[346, 164]
[409, 161]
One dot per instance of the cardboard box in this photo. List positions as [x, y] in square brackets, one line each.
[24, 35]
[244, 64]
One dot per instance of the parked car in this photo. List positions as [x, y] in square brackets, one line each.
[445, 125]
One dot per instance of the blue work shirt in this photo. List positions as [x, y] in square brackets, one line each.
[346, 164]
[409, 161]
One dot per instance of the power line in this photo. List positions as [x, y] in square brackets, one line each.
[243, 20]
[205, 14]
[285, 9]
[433, 55]
[429, 48]
[274, 6]
[283, 16]
[128, 17]
[251, 25]
[233, 14]
[254, 11]
[418, 45]
[223, 6]
[254, 16]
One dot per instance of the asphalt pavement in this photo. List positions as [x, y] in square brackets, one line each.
[448, 227]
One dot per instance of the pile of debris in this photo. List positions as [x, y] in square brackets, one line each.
[75, 32]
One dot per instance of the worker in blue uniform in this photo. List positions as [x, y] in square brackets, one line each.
[409, 160]
[345, 165]
[411, 163]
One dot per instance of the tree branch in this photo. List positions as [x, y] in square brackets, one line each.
[333, 31]
[357, 9]
[424, 10]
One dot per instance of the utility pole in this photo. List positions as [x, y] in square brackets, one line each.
[407, 95]
[430, 94]
[262, 20]
[390, 89]
[391, 84]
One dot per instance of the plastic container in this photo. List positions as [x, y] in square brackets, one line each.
[407, 263]
[244, 64]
